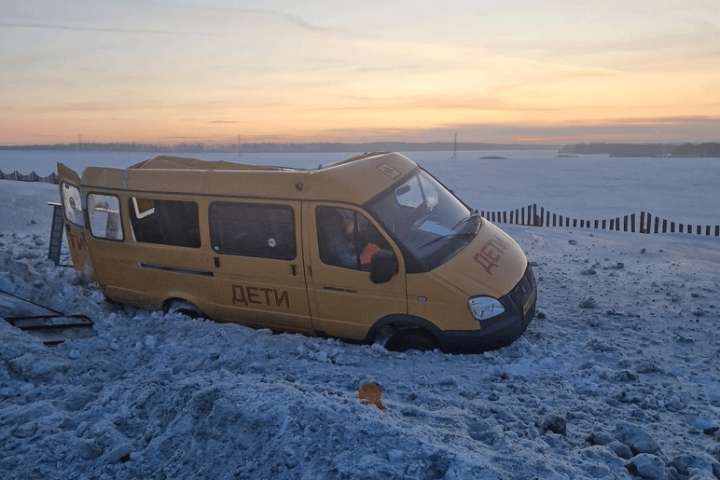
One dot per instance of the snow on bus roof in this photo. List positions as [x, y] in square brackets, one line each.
[355, 180]
[168, 162]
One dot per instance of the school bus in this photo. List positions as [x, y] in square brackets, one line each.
[369, 249]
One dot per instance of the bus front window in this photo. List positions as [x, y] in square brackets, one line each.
[429, 221]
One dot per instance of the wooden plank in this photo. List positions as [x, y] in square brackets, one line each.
[625, 223]
[632, 222]
[664, 227]
[672, 227]
[603, 223]
[642, 222]
[657, 222]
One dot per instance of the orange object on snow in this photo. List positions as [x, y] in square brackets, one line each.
[371, 393]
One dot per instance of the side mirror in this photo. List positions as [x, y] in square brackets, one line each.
[383, 266]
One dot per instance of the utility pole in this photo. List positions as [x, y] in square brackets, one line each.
[239, 146]
[454, 155]
[79, 142]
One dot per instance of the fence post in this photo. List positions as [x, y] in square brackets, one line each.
[657, 221]
[664, 229]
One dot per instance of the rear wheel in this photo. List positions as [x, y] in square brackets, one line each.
[414, 339]
[183, 307]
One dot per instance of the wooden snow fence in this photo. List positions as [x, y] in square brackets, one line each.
[639, 222]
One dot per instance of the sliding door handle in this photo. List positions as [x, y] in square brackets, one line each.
[339, 289]
[217, 262]
[293, 269]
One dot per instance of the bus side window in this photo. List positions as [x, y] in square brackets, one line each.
[104, 215]
[166, 222]
[253, 230]
[347, 239]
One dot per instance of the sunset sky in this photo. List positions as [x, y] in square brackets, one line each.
[172, 71]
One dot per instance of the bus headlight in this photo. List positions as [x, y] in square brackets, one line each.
[485, 308]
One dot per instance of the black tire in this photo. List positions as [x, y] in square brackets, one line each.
[182, 307]
[414, 339]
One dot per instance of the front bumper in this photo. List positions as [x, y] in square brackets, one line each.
[502, 330]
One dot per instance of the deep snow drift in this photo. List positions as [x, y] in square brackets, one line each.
[623, 361]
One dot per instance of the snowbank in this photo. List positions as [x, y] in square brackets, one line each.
[586, 391]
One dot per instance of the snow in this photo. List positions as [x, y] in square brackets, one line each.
[166, 396]
[588, 186]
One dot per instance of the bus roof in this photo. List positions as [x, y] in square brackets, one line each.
[355, 180]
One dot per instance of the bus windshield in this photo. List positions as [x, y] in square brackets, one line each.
[426, 218]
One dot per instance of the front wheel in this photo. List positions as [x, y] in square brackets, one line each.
[414, 339]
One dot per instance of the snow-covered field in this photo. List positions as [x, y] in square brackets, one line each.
[683, 189]
[623, 362]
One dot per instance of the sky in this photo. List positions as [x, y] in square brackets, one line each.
[521, 71]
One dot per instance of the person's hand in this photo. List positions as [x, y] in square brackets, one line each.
[367, 253]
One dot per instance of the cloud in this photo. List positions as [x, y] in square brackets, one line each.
[224, 122]
[439, 102]
[294, 20]
[76, 28]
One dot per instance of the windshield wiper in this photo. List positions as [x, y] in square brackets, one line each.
[472, 216]
[449, 235]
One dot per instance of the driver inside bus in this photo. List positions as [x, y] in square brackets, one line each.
[340, 241]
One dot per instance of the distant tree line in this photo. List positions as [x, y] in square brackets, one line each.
[278, 147]
[645, 149]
